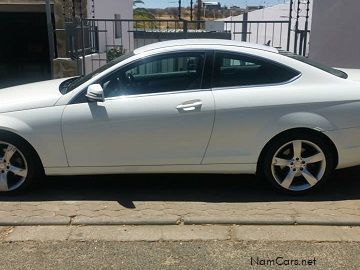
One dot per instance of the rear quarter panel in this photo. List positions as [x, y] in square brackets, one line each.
[247, 118]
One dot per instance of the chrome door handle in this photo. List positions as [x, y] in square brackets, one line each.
[188, 106]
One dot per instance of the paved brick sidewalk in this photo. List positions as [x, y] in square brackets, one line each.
[174, 199]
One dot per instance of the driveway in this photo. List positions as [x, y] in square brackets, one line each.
[180, 199]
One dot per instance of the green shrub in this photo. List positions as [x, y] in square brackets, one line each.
[115, 53]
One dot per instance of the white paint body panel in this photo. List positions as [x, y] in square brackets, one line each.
[248, 118]
[142, 130]
[30, 96]
[42, 129]
[213, 168]
[146, 133]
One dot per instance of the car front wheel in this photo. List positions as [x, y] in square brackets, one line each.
[298, 164]
[17, 165]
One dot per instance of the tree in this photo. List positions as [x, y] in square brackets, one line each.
[136, 2]
[143, 14]
[144, 18]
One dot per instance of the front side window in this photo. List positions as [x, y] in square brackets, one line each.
[231, 70]
[166, 73]
[70, 84]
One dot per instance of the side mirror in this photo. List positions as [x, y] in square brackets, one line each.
[95, 93]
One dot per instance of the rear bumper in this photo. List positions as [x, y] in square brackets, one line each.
[347, 142]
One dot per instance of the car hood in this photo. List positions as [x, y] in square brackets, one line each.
[30, 96]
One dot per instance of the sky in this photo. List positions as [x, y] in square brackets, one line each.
[241, 3]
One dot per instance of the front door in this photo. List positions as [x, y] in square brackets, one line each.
[154, 113]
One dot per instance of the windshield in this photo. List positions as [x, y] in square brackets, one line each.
[70, 84]
[310, 62]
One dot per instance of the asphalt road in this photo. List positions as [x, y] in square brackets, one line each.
[179, 255]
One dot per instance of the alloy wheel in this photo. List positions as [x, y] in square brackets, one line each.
[298, 165]
[13, 167]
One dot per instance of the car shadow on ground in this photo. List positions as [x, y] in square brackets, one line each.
[126, 189]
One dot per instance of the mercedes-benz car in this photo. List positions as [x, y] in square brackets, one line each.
[186, 106]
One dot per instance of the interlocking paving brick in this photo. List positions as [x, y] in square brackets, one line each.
[179, 202]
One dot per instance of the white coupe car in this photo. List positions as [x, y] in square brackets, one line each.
[186, 106]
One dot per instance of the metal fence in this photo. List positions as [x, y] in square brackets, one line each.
[94, 42]
[271, 33]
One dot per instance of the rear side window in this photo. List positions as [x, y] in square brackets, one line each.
[231, 70]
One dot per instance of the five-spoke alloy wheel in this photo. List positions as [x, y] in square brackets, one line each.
[13, 167]
[298, 163]
[18, 165]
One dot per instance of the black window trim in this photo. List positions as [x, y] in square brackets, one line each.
[205, 52]
[252, 85]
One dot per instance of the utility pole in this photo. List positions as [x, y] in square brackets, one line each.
[191, 10]
[306, 31]
[297, 26]
[289, 26]
[244, 30]
[50, 30]
[199, 6]
[198, 14]
[179, 13]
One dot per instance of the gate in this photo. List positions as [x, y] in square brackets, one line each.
[299, 26]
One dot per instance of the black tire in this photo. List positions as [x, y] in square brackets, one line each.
[266, 163]
[34, 167]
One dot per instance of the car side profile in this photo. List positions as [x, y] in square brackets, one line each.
[186, 106]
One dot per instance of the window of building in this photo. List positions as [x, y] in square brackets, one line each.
[118, 26]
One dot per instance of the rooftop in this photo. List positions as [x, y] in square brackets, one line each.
[205, 42]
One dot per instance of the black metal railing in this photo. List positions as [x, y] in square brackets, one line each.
[271, 33]
[100, 40]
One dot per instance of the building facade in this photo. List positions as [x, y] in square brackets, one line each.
[271, 33]
[335, 35]
[24, 48]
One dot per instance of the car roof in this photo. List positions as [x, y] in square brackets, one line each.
[203, 42]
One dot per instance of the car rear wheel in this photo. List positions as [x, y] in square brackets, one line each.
[298, 164]
[18, 166]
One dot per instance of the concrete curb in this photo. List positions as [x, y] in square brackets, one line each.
[122, 221]
[273, 221]
[173, 221]
[328, 222]
[154, 233]
[34, 221]
[239, 221]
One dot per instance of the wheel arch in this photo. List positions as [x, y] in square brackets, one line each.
[296, 131]
[5, 132]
